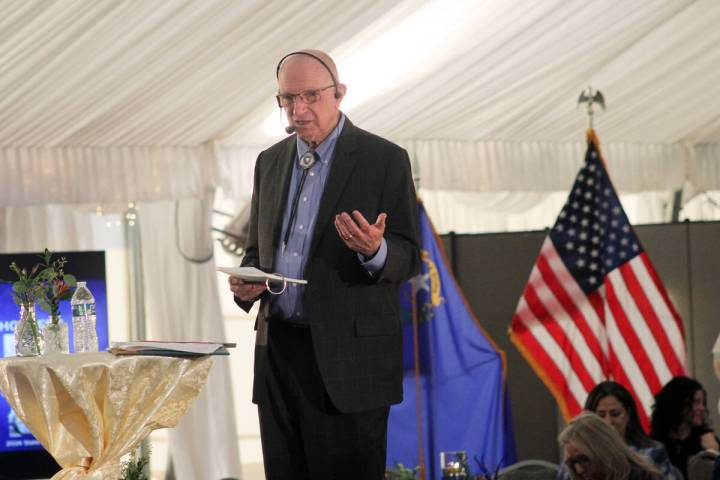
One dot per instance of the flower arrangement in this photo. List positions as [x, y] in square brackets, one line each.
[45, 283]
[29, 286]
[58, 285]
[401, 472]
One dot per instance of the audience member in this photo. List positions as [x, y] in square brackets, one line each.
[594, 450]
[679, 421]
[614, 404]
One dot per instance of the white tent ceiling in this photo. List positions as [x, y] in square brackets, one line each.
[482, 93]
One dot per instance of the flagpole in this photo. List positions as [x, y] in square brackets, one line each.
[592, 97]
[416, 347]
[418, 390]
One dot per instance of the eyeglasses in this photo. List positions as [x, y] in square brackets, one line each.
[307, 97]
[582, 460]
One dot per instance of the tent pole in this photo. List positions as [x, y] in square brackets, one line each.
[137, 295]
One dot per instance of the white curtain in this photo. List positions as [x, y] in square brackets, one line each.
[477, 187]
[471, 212]
[236, 167]
[104, 175]
[57, 227]
[183, 304]
[703, 207]
[551, 166]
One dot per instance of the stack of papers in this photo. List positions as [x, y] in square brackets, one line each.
[254, 275]
[170, 349]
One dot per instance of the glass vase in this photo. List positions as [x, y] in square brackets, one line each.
[55, 336]
[28, 338]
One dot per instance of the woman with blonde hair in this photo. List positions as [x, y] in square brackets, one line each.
[594, 450]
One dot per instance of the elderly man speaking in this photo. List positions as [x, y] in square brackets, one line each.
[335, 205]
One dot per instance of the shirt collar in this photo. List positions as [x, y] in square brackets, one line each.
[327, 146]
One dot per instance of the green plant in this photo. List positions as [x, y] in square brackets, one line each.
[58, 285]
[45, 283]
[29, 285]
[134, 467]
[401, 472]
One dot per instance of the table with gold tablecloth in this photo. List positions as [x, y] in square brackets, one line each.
[90, 409]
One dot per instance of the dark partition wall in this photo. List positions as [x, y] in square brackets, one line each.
[704, 241]
[667, 247]
[493, 269]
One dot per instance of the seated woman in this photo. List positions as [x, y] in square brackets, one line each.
[593, 450]
[614, 404]
[679, 421]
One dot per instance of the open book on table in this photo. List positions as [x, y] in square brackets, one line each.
[170, 349]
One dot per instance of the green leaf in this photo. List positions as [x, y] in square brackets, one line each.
[45, 274]
[45, 305]
[17, 299]
[70, 279]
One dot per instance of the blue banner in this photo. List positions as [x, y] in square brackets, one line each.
[455, 395]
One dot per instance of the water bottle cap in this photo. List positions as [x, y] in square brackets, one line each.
[81, 284]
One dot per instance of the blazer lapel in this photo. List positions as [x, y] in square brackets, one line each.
[283, 168]
[342, 165]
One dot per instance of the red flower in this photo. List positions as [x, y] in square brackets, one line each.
[60, 287]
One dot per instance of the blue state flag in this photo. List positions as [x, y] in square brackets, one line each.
[455, 394]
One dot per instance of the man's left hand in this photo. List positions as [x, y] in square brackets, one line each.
[358, 234]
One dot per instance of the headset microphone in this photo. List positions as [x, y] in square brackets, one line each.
[290, 128]
[338, 94]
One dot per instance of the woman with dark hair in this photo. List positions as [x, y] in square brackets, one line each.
[614, 404]
[679, 420]
[593, 450]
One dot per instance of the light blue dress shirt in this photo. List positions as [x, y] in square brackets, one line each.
[290, 261]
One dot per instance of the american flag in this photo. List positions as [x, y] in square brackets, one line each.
[594, 308]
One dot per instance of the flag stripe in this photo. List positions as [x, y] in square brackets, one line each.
[618, 375]
[543, 367]
[626, 361]
[554, 365]
[573, 322]
[672, 324]
[538, 297]
[620, 304]
[657, 330]
[578, 298]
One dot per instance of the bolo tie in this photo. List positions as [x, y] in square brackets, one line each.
[306, 161]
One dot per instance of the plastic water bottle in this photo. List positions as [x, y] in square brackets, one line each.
[83, 311]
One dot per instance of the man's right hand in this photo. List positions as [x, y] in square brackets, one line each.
[247, 292]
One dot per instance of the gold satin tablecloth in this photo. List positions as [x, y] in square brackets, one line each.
[90, 409]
